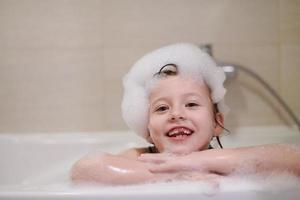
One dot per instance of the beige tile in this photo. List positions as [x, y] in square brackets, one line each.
[290, 70]
[290, 21]
[251, 104]
[51, 23]
[61, 62]
[118, 60]
[112, 107]
[135, 22]
[51, 90]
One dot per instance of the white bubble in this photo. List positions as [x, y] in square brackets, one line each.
[190, 61]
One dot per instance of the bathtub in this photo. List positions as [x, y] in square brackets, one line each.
[36, 166]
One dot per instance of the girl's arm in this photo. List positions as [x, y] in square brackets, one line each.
[110, 169]
[126, 169]
[265, 158]
[119, 169]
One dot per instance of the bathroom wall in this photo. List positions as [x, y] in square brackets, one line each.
[61, 61]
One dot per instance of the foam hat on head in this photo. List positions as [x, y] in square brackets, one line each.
[189, 59]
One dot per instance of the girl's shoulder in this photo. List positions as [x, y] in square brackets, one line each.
[134, 153]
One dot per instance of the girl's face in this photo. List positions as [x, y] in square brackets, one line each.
[181, 117]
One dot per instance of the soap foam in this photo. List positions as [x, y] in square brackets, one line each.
[190, 61]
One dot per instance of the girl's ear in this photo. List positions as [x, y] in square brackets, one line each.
[219, 124]
[149, 139]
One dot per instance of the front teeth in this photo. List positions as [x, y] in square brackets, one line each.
[179, 131]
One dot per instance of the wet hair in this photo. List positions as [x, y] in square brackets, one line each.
[172, 70]
[167, 70]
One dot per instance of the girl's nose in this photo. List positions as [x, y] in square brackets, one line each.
[176, 115]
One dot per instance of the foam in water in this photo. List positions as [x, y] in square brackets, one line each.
[209, 185]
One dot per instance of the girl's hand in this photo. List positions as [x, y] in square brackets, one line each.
[180, 167]
[171, 163]
[265, 158]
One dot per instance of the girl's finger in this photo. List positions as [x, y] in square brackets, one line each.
[164, 168]
[154, 158]
[173, 166]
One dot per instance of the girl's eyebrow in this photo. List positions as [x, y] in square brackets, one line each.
[158, 100]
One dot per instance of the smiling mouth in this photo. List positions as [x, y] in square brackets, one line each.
[179, 131]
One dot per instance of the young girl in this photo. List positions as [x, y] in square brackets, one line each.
[174, 98]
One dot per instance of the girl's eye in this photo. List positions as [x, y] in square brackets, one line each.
[191, 105]
[161, 109]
